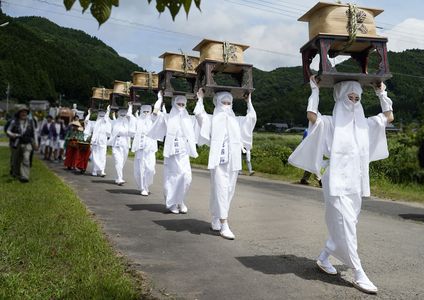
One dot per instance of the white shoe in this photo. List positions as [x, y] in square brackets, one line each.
[102, 174]
[183, 208]
[144, 193]
[326, 267]
[94, 174]
[363, 283]
[226, 233]
[174, 209]
[216, 224]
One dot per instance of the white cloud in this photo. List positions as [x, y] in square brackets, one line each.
[406, 35]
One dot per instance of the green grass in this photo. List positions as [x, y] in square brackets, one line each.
[50, 248]
[269, 159]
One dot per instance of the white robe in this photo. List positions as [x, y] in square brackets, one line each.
[99, 131]
[177, 151]
[343, 190]
[122, 130]
[226, 135]
[145, 149]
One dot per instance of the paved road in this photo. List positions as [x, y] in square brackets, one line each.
[279, 231]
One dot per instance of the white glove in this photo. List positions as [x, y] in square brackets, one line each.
[108, 110]
[158, 102]
[313, 100]
[385, 102]
[200, 95]
[137, 114]
[130, 109]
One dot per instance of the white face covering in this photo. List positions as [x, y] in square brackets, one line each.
[179, 100]
[145, 110]
[350, 145]
[223, 102]
[122, 113]
[101, 114]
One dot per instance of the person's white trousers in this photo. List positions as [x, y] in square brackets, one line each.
[177, 179]
[223, 186]
[98, 154]
[144, 169]
[341, 215]
[120, 155]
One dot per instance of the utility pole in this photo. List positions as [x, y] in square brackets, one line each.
[7, 98]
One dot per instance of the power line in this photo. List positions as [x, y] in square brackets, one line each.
[149, 27]
[161, 31]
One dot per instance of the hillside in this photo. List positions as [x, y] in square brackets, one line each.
[41, 59]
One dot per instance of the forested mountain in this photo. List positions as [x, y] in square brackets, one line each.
[41, 59]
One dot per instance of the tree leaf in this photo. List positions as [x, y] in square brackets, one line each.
[197, 2]
[68, 4]
[84, 4]
[187, 4]
[101, 9]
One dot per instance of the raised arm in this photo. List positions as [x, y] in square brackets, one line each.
[158, 103]
[385, 102]
[313, 101]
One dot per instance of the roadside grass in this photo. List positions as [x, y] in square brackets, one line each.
[50, 248]
[269, 159]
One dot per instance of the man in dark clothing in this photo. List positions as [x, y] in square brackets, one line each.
[23, 139]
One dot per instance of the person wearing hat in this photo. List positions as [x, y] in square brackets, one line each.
[226, 135]
[73, 136]
[178, 129]
[123, 128]
[23, 139]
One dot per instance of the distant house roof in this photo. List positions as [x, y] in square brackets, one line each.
[39, 104]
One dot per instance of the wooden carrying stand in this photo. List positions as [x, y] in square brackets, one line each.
[142, 82]
[222, 59]
[241, 73]
[343, 29]
[100, 98]
[330, 46]
[121, 89]
[178, 67]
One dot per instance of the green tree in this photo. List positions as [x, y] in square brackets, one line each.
[101, 9]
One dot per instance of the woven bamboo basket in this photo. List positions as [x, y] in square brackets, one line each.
[176, 62]
[121, 87]
[331, 19]
[101, 93]
[216, 50]
[145, 80]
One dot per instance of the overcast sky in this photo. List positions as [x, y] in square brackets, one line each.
[137, 32]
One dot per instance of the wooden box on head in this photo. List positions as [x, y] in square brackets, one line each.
[344, 29]
[121, 90]
[179, 71]
[223, 60]
[142, 82]
[100, 98]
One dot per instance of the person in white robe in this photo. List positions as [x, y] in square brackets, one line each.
[179, 130]
[122, 130]
[145, 149]
[226, 136]
[99, 130]
[344, 144]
